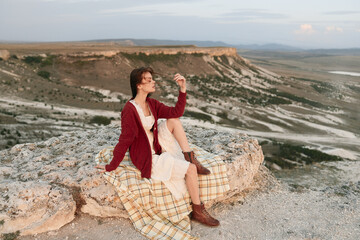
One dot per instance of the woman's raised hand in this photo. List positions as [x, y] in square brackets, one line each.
[181, 81]
[100, 167]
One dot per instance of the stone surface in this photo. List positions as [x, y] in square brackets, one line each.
[4, 54]
[44, 184]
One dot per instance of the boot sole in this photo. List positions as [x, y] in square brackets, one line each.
[192, 219]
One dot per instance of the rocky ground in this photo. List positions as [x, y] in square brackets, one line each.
[45, 185]
[274, 212]
[66, 183]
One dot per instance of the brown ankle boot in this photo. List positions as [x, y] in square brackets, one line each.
[200, 214]
[190, 157]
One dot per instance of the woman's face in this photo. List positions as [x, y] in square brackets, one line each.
[147, 83]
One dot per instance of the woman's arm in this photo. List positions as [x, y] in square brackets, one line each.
[181, 81]
[127, 136]
[164, 111]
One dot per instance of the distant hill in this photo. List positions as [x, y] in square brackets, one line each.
[158, 42]
[342, 52]
[269, 47]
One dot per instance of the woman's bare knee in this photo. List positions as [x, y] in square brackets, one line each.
[174, 121]
[171, 123]
[191, 170]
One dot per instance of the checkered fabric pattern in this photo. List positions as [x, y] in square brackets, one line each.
[151, 207]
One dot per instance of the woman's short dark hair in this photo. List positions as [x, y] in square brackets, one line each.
[136, 77]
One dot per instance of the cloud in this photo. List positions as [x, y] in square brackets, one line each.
[341, 12]
[330, 29]
[252, 14]
[72, 1]
[305, 29]
[200, 9]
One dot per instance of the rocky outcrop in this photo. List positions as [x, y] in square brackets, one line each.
[212, 51]
[4, 54]
[44, 184]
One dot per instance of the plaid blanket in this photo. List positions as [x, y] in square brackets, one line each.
[153, 210]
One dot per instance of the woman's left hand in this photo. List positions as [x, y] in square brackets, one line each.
[181, 81]
[100, 167]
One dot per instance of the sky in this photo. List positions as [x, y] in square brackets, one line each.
[305, 23]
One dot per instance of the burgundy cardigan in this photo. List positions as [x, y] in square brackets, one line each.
[134, 138]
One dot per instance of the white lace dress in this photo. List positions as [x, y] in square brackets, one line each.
[170, 166]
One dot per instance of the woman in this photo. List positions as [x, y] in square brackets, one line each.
[147, 141]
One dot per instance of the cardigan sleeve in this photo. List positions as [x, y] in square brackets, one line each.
[127, 136]
[164, 111]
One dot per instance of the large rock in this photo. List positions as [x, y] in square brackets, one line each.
[44, 184]
[4, 54]
[35, 206]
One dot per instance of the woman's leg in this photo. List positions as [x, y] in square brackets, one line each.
[191, 180]
[199, 212]
[175, 127]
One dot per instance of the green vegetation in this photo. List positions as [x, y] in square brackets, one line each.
[307, 80]
[288, 156]
[197, 54]
[299, 99]
[8, 82]
[101, 120]
[11, 236]
[7, 113]
[354, 88]
[48, 61]
[33, 59]
[293, 152]
[198, 115]
[222, 59]
[44, 74]
[267, 80]
[268, 100]
[212, 87]
[253, 68]
[222, 114]
[323, 87]
[168, 59]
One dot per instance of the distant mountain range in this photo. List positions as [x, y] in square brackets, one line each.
[256, 47]
[270, 47]
[158, 42]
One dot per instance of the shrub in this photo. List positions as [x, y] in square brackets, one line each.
[197, 54]
[198, 115]
[101, 120]
[298, 99]
[33, 59]
[354, 88]
[44, 74]
[48, 61]
[323, 87]
[222, 114]
[168, 59]
[11, 236]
